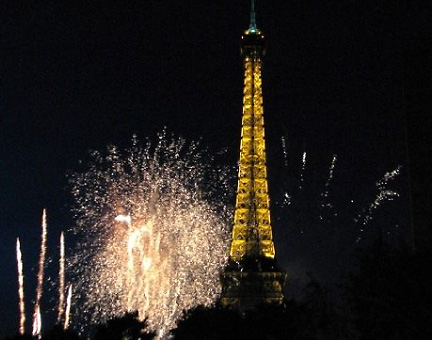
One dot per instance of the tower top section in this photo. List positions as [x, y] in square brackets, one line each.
[252, 25]
[253, 41]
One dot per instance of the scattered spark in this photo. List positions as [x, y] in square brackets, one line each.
[331, 171]
[389, 176]
[330, 176]
[21, 303]
[68, 308]
[37, 322]
[61, 279]
[325, 203]
[155, 233]
[285, 152]
[287, 198]
[302, 170]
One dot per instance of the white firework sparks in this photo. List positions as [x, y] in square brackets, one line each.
[330, 176]
[388, 176]
[303, 169]
[287, 198]
[156, 241]
[384, 194]
[285, 152]
[325, 203]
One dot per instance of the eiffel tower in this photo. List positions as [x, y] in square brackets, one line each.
[252, 276]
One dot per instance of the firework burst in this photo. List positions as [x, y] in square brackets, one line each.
[154, 232]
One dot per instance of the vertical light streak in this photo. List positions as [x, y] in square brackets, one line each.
[68, 308]
[287, 196]
[303, 169]
[37, 321]
[325, 194]
[21, 302]
[61, 279]
[331, 171]
[285, 152]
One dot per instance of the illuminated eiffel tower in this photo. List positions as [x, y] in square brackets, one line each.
[252, 276]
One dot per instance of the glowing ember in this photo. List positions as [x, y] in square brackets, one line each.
[155, 238]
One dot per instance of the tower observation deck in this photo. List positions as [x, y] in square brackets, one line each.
[252, 276]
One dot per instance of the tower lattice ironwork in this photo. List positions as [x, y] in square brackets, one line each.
[252, 276]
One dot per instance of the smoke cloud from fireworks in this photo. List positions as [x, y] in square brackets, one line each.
[153, 223]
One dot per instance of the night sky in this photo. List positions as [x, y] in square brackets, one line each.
[79, 75]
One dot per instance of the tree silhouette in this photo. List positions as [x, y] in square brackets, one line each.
[390, 293]
[20, 337]
[208, 323]
[58, 333]
[324, 320]
[289, 320]
[124, 327]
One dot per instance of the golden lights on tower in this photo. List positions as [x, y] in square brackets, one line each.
[252, 232]
[252, 276]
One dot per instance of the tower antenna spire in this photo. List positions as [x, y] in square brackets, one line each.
[252, 25]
